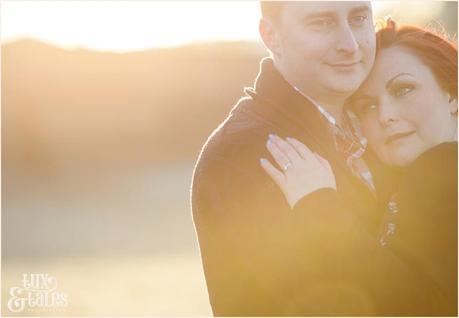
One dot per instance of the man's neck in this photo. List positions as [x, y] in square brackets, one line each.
[333, 106]
[332, 102]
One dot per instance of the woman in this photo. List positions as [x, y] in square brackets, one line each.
[407, 110]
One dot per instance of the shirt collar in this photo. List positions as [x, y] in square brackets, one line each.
[322, 110]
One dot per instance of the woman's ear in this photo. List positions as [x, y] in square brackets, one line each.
[270, 36]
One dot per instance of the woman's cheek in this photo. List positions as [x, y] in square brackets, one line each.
[418, 114]
[370, 131]
[374, 135]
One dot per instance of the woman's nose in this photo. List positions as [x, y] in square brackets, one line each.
[387, 112]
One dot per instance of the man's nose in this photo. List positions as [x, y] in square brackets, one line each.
[387, 112]
[346, 41]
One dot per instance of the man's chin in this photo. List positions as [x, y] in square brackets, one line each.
[347, 89]
[346, 84]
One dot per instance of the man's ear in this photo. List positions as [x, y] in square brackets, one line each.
[270, 36]
[452, 104]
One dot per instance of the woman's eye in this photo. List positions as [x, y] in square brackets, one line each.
[366, 108]
[358, 20]
[402, 90]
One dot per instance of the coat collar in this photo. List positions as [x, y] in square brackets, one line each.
[288, 112]
[282, 102]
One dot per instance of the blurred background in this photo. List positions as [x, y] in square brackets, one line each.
[105, 106]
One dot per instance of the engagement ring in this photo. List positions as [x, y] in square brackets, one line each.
[285, 167]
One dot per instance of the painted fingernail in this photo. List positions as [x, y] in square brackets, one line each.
[269, 142]
[271, 136]
[263, 161]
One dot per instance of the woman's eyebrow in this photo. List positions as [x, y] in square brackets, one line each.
[395, 77]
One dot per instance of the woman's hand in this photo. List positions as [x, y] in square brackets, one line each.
[303, 171]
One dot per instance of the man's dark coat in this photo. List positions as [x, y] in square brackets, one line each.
[260, 257]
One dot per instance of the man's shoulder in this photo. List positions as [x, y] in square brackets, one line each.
[241, 131]
[232, 152]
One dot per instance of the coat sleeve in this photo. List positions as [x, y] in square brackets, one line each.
[427, 220]
[262, 258]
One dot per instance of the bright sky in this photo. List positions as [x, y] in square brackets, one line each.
[133, 25]
[129, 25]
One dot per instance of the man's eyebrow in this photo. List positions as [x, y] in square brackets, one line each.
[359, 9]
[319, 14]
[395, 77]
[331, 13]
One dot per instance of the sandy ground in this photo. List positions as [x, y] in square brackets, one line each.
[118, 243]
[153, 286]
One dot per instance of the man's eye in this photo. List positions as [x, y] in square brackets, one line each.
[358, 20]
[402, 90]
[321, 22]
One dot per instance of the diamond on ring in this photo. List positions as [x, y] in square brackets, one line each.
[286, 166]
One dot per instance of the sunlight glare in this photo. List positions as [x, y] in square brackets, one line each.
[129, 25]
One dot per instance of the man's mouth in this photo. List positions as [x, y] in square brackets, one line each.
[398, 136]
[344, 66]
[345, 63]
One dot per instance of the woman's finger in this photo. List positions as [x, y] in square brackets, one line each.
[301, 148]
[275, 174]
[279, 157]
[323, 161]
[288, 150]
[326, 165]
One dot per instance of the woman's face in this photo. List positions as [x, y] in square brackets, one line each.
[402, 109]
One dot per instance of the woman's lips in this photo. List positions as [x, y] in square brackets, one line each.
[398, 136]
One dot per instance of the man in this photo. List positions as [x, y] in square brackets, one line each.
[260, 257]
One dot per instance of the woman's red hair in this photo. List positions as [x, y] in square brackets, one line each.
[435, 50]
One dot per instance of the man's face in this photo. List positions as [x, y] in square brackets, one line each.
[326, 47]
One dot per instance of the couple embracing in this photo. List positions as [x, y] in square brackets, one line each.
[331, 187]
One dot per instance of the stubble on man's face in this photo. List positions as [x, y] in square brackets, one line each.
[326, 47]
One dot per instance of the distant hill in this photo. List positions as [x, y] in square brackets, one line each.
[93, 110]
